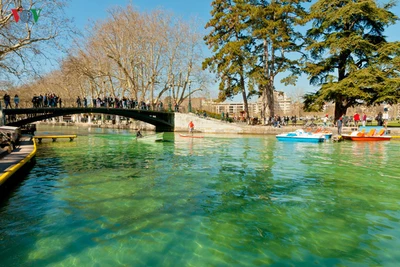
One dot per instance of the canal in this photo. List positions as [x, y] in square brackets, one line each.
[223, 200]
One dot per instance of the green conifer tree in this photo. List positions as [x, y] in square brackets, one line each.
[231, 42]
[278, 44]
[351, 60]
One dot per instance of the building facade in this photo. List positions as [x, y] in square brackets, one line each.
[283, 106]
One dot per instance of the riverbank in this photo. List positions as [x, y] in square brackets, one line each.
[204, 125]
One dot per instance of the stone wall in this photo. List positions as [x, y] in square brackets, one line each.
[204, 125]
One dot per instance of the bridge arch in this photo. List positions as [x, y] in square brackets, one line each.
[163, 121]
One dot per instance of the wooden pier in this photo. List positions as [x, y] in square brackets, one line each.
[54, 137]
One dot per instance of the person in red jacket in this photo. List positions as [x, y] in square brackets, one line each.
[191, 127]
[356, 119]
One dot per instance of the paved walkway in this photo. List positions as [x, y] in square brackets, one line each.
[22, 154]
[211, 125]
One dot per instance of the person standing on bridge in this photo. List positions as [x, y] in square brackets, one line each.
[7, 100]
[78, 102]
[16, 101]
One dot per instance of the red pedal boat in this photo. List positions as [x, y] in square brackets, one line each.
[365, 137]
[370, 138]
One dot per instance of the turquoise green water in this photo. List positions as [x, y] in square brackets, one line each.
[106, 200]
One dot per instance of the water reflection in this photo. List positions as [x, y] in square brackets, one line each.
[221, 200]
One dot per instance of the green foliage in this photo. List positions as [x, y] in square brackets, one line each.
[251, 40]
[347, 39]
[313, 102]
[348, 56]
[230, 43]
[276, 37]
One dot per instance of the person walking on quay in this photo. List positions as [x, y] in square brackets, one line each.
[16, 101]
[85, 101]
[325, 120]
[340, 125]
[294, 120]
[379, 119]
[356, 119]
[191, 127]
[364, 119]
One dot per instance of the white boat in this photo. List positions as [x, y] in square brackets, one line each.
[300, 136]
[326, 135]
[10, 134]
[158, 137]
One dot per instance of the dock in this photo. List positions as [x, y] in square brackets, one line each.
[14, 161]
[54, 137]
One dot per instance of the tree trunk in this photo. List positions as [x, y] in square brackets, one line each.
[270, 99]
[264, 105]
[243, 86]
[340, 109]
[268, 89]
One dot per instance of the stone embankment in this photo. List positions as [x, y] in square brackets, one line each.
[17, 159]
[210, 125]
[205, 125]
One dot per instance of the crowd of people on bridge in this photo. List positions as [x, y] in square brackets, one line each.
[124, 102]
[46, 101]
[54, 101]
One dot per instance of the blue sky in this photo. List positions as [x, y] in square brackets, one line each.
[91, 10]
[87, 10]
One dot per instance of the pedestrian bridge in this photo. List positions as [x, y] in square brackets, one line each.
[163, 121]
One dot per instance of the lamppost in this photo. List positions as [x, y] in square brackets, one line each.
[170, 99]
[190, 98]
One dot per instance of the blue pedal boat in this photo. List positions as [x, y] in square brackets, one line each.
[300, 136]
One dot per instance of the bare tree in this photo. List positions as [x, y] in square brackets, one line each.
[142, 55]
[29, 30]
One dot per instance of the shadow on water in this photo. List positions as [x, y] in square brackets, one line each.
[8, 188]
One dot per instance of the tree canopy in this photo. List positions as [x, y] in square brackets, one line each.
[230, 41]
[350, 58]
[277, 41]
[251, 40]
